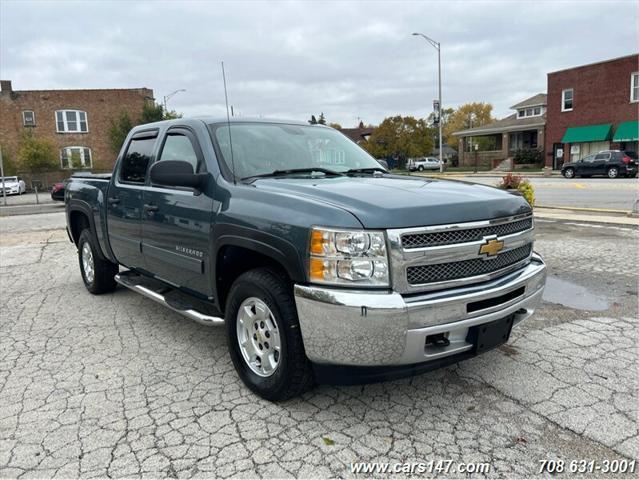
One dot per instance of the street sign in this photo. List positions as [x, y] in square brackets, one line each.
[436, 106]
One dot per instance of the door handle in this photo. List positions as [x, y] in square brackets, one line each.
[150, 208]
[114, 200]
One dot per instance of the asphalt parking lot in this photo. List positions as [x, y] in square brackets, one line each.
[118, 386]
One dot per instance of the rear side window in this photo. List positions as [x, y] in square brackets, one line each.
[602, 156]
[136, 160]
[179, 147]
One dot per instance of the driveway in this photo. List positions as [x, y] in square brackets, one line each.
[117, 386]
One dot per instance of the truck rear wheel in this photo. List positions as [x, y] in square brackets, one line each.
[98, 274]
[264, 338]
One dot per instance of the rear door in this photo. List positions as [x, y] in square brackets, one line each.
[124, 201]
[600, 164]
[176, 221]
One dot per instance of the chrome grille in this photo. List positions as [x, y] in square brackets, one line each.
[442, 272]
[431, 239]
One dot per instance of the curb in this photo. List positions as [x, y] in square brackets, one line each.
[585, 209]
[11, 210]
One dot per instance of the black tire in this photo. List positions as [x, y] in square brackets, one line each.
[569, 173]
[420, 168]
[613, 172]
[104, 271]
[293, 374]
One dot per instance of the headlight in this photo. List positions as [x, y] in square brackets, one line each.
[347, 257]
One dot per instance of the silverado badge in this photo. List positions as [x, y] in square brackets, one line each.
[491, 248]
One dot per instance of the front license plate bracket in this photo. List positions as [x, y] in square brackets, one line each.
[490, 335]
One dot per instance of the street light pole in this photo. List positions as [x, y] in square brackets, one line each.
[167, 97]
[437, 46]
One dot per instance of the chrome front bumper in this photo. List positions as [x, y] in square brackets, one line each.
[367, 328]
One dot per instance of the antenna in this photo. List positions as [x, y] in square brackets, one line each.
[228, 122]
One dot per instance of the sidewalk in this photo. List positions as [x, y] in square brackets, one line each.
[584, 215]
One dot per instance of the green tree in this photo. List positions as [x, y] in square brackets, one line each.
[313, 120]
[9, 164]
[118, 130]
[403, 137]
[469, 115]
[154, 112]
[37, 155]
[321, 120]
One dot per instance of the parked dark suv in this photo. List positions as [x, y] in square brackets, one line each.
[611, 163]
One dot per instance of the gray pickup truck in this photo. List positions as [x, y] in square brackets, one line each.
[322, 266]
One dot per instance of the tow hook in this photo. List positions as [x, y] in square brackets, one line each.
[438, 340]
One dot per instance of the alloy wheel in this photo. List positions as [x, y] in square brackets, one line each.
[258, 337]
[87, 262]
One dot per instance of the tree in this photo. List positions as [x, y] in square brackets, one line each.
[37, 155]
[8, 164]
[154, 112]
[313, 120]
[118, 130]
[321, 120]
[469, 115]
[335, 125]
[402, 137]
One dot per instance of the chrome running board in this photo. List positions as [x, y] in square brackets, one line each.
[136, 282]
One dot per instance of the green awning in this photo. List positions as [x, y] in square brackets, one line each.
[588, 133]
[627, 132]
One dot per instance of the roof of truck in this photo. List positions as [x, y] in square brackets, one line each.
[209, 119]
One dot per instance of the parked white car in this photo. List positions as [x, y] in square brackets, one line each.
[421, 164]
[13, 186]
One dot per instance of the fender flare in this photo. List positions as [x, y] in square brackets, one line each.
[74, 205]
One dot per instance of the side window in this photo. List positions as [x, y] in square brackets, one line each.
[602, 156]
[179, 147]
[589, 159]
[136, 160]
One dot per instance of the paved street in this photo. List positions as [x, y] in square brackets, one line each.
[118, 386]
[617, 194]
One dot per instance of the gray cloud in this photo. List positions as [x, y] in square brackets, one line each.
[291, 59]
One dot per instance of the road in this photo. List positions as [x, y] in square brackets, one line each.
[617, 194]
[116, 385]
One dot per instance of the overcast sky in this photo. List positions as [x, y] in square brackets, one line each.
[292, 59]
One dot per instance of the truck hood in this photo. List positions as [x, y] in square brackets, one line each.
[403, 201]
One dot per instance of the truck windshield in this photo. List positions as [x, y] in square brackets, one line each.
[264, 148]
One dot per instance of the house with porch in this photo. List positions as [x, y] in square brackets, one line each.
[518, 135]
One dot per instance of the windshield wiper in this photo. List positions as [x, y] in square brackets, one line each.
[365, 170]
[293, 171]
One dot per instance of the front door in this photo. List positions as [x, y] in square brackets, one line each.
[586, 166]
[124, 203]
[558, 155]
[601, 163]
[177, 221]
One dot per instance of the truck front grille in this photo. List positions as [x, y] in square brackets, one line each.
[442, 272]
[421, 240]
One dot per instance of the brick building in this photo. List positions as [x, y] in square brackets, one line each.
[76, 121]
[591, 108]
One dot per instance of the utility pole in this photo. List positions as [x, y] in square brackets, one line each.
[438, 47]
[4, 192]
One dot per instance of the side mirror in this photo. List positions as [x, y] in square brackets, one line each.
[176, 173]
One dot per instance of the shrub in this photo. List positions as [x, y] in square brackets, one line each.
[528, 156]
[511, 181]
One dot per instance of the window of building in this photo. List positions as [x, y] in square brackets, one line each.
[28, 118]
[566, 100]
[634, 87]
[71, 121]
[530, 112]
[75, 157]
[136, 160]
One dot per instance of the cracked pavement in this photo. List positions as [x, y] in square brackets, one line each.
[118, 386]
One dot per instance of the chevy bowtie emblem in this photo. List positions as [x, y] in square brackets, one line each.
[491, 248]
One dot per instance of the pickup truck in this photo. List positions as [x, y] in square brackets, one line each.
[321, 265]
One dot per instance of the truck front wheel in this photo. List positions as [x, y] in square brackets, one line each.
[98, 274]
[264, 336]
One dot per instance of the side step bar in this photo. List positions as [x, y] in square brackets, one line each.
[136, 282]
